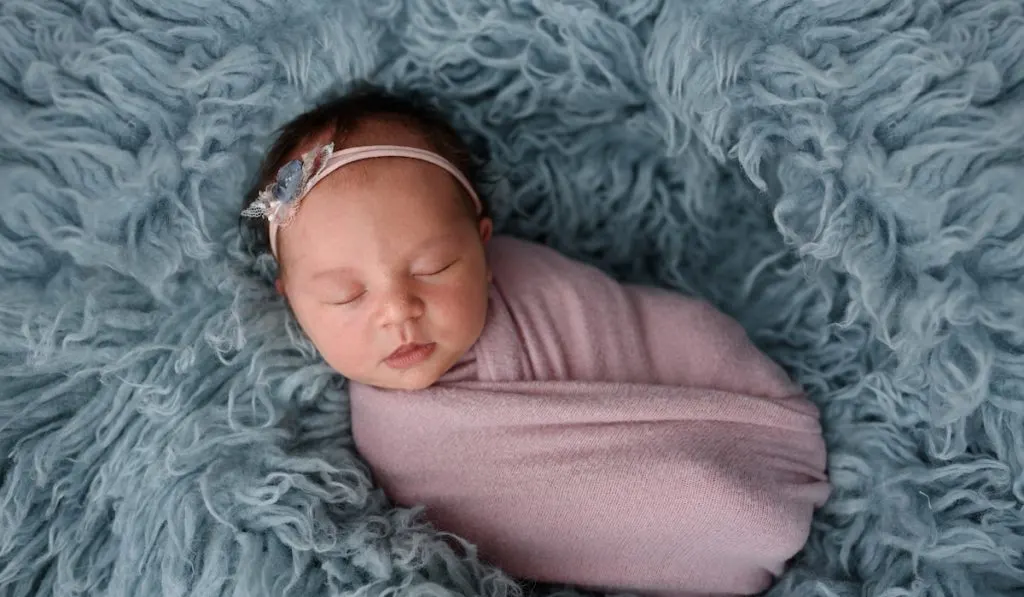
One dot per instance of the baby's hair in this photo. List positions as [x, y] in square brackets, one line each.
[344, 114]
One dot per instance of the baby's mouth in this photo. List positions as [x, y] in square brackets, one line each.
[409, 355]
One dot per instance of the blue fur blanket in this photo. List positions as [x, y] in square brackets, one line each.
[845, 178]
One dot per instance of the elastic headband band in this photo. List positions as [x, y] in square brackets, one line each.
[280, 200]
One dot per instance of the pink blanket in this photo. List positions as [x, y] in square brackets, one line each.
[610, 436]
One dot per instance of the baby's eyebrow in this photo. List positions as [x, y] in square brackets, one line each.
[435, 240]
[332, 273]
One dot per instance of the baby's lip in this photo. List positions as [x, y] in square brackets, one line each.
[405, 349]
[409, 354]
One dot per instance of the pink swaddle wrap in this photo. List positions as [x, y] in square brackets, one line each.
[605, 435]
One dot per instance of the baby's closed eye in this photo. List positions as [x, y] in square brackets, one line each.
[434, 268]
[346, 298]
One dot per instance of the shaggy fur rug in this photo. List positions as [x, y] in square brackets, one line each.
[845, 178]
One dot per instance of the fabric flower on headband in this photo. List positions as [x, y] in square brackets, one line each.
[279, 200]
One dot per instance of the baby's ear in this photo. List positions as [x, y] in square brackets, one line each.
[486, 227]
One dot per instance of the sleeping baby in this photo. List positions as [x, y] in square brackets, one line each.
[574, 429]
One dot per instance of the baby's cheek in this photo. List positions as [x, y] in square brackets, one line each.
[461, 312]
[339, 342]
[341, 351]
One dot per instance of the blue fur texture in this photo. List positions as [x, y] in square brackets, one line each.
[845, 178]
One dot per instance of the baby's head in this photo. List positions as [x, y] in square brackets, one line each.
[382, 261]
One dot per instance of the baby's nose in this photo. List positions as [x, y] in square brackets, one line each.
[400, 305]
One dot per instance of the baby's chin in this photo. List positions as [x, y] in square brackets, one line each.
[409, 383]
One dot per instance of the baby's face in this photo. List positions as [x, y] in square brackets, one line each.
[385, 270]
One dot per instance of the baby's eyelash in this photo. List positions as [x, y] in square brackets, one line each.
[351, 300]
[438, 271]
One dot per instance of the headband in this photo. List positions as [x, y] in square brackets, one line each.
[280, 200]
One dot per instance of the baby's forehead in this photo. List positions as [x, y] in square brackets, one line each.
[380, 194]
[369, 225]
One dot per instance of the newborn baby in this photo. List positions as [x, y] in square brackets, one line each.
[574, 429]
